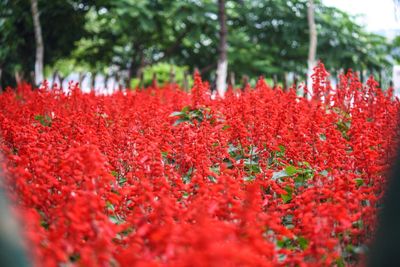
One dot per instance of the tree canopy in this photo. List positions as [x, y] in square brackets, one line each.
[266, 37]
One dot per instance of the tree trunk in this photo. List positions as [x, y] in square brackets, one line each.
[186, 81]
[141, 80]
[53, 81]
[106, 81]
[171, 75]
[18, 77]
[39, 43]
[62, 78]
[361, 76]
[131, 70]
[295, 80]
[275, 80]
[379, 77]
[118, 78]
[82, 77]
[154, 83]
[285, 78]
[232, 80]
[222, 68]
[312, 49]
[245, 82]
[137, 69]
[135, 64]
[93, 81]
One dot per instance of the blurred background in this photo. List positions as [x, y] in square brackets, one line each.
[122, 43]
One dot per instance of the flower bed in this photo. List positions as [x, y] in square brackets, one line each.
[161, 177]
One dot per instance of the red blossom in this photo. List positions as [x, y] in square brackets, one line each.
[263, 178]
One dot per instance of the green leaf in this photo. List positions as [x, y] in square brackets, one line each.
[215, 169]
[43, 120]
[185, 109]
[249, 163]
[249, 178]
[358, 224]
[254, 168]
[303, 243]
[44, 224]
[278, 175]
[232, 150]
[299, 181]
[115, 219]
[287, 197]
[344, 127]
[126, 231]
[228, 163]
[340, 262]
[212, 179]
[110, 206]
[287, 220]
[122, 181]
[359, 181]
[180, 121]
[188, 176]
[281, 243]
[176, 113]
[226, 127]
[75, 257]
[290, 170]
[305, 163]
[285, 243]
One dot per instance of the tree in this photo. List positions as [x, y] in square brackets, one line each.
[173, 31]
[312, 50]
[271, 37]
[222, 68]
[16, 40]
[39, 43]
[62, 25]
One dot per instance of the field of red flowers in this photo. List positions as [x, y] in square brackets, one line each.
[161, 177]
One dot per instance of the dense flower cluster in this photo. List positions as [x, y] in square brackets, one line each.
[161, 177]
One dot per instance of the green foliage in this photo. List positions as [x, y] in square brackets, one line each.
[44, 120]
[120, 178]
[344, 127]
[290, 170]
[300, 174]
[248, 156]
[66, 66]
[187, 114]
[292, 244]
[62, 25]
[395, 49]
[289, 194]
[187, 177]
[126, 37]
[163, 71]
[359, 181]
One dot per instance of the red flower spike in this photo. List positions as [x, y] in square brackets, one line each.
[161, 177]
